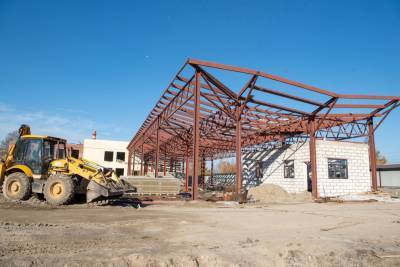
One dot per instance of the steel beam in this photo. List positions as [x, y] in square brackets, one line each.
[372, 154]
[199, 111]
[196, 137]
[203, 172]
[142, 160]
[157, 153]
[187, 171]
[259, 73]
[313, 159]
[212, 172]
[165, 167]
[238, 139]
[165, 161]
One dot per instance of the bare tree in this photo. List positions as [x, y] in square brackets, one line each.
[5, 143]
[206, 170]
[226, 167]
[380, 159]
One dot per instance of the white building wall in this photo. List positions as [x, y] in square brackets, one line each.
[272, 164]
[359, 177]
[94, 150]
[389, 178]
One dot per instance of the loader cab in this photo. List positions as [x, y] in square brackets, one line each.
[36, 152]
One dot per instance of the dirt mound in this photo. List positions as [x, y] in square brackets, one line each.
[270, 193]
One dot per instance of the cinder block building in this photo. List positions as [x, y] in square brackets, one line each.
[342, 167]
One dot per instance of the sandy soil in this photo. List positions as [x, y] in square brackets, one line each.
[200, 234]
[271, 193]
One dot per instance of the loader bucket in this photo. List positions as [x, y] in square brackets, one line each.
[97, 191]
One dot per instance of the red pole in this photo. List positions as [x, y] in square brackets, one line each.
[313, 160]
[165, 162]
[142, 161]
[212, 173]
[187, 170]
[132, 169]
[157, 152]
[196, 136]
[238, 153]
[203, 174]
[372, 154]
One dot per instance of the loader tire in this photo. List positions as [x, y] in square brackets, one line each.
[17, 186]
[59, 190]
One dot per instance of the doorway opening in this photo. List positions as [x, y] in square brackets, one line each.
[309, 181]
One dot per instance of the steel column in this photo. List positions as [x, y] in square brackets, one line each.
[372, 154]
[313, 159]
[165, 162]
[212, 173]
[187, 172]
[142, 161]
[196, 136]
[238, 138]
[157, 152]
[209, 116]
[203, 172]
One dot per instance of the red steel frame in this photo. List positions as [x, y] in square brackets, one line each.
[199, 117]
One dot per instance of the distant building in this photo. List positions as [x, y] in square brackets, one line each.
[108, 153]
[75, 150]
[389, 175]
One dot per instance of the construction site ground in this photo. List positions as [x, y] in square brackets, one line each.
[181, 233]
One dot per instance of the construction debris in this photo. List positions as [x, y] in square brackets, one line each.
[367, 197]
[154, 186]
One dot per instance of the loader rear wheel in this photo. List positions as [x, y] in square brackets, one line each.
[59, 190]
[17, 186]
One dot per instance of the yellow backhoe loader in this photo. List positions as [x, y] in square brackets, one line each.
[39, 164]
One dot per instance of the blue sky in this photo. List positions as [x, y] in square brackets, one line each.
[69, 67]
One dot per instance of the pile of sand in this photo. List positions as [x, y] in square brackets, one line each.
[270, 193]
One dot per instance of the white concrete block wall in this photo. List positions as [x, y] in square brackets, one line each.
[272, 163]
[273, 167]
[359, 178]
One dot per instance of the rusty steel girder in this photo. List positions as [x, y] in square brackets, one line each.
[198, 114]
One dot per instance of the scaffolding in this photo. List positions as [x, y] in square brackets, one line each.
[199, 117]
